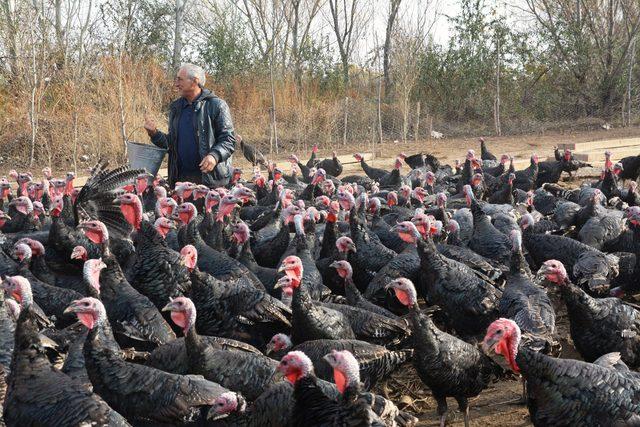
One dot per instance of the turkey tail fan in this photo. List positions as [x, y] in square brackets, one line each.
[96, 198]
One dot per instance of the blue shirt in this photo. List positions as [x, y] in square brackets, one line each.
[188, 153]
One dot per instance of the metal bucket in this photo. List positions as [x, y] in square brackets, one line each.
[145, 156]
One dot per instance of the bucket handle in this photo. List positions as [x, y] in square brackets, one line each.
[131, 133]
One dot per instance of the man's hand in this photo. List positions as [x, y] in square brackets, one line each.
[208, 163]
[150, 125]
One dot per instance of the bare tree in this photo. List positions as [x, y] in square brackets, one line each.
[410, 41]
[496, 101]
[179, 30]
[394, 7]
[10, 34]
[348, 20]
[266, 21]
[300, 14]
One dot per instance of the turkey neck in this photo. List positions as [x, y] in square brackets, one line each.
[28, 348]
[193, 234]
[425, 341]
[195, 350]
[429, 255]
[148, 237]
[312, 406]
[246, 256]
[7, 335]
[329, 240]
[351, 291]
[100, 337]
[301, 298]
[518, 264]
[580, 306]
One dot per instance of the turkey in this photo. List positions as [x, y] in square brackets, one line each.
[555, 385]
[589, 267]
[136, 321]
[7, 330]
[52, 299]
[373, 173]
[486, 239]
[230, 307]
[354, 297]
[485, 154]
[251, 153]
[631, 168]
[598, 326]
[39, 394]
[157, 271]
[526, 303]
[376, 362]
[314, 403]
[137, 391]
[313, 320]
[467, 300]
[332, 166]
[526, 179]
[227, 368]
[449, 366]
[218, 264]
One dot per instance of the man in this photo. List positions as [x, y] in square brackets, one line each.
[200, 139]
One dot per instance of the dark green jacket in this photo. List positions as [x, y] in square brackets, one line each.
[214, 131]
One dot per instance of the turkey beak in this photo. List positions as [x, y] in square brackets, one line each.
[282, 268]
[212, 415]
[334, 264]
[168, 307]
[489, 343]
[277, 376]
[279, 283]
[71, 308]
[269, 349]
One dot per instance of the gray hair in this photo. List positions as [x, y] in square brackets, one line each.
[194, 72]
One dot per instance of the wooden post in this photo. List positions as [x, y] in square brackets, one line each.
[345, 119]
[379, 110]
[496, 104]
[416, 128]
[430, 117]
[274, 126]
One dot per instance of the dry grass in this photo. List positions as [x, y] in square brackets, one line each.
[79, 119]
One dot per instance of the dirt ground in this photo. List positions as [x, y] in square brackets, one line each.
[448, 149]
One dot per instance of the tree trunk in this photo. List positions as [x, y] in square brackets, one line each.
[295, 46]
[75, 140]
[386, 63]
[405, 116]
[345, 120]
[177, 41]
[496, 106]
[10, 38]
[274, 126]
[121, 112]
[416, 128]
[380, 109]
[632, 58]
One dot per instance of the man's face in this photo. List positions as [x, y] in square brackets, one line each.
[184, 84]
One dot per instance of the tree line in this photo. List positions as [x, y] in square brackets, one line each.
[78, 75]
